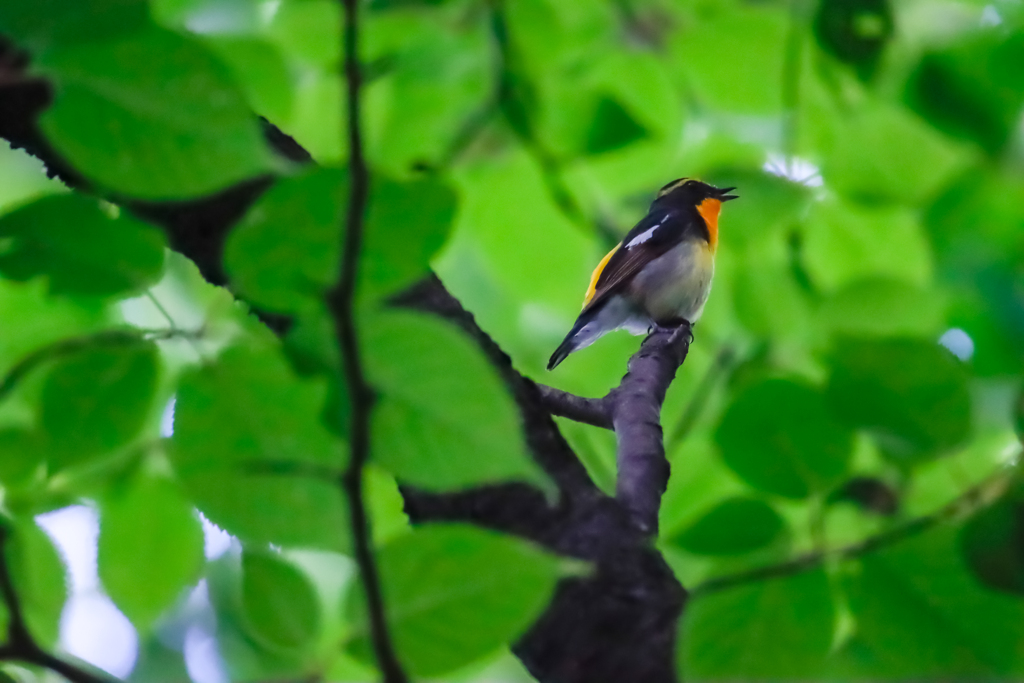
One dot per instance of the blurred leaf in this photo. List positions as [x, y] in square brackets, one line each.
[37, 572]
[407, 224]
[612, 128]
[735, 527]
[248, 443]
[779, 437]
[1018, 415]
[44, 24]
[444, 419]
[973, 89]
[279, 605]
[151, 115]
[260, 71]
[921, 616]
[845, 242]
[284, 253]
[79, 248]
[774, 629]
[884, 153]
[882, 307]
[309, 30]
[734, 58]
[97, 400]
[21, 453]
[992, 544]
[150, 547]
[502, 583]
[910, 394]
[854, 31]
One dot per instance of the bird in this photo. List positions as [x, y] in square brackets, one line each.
[660, 274]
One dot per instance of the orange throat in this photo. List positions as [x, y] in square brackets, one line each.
[709, 210]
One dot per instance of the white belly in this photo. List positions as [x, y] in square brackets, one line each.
[677, 283]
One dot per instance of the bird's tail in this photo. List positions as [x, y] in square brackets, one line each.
[575, 340]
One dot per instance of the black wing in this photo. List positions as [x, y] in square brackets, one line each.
[655, 234]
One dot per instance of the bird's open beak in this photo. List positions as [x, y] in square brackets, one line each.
[723, 194]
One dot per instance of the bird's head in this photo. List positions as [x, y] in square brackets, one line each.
[691, 192]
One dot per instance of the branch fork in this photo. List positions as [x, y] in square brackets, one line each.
[633, 411]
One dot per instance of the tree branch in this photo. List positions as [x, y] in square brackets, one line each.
[20, 645]
[591, 411]
[361, 397]
[967, 503]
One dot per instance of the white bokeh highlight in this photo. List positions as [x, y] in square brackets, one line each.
[958, 342]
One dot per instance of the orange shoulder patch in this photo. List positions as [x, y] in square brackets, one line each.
[709, 210]
[596, 275]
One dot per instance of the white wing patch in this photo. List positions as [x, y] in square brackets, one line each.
[646, 234]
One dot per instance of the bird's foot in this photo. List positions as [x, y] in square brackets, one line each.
[676, 326]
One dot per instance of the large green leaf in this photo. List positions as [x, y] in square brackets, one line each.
[773, 629]
[407, 224]
[249, 445]
[733, 527]
[97, 400]
[285, 251]
[151, 115]
[920, 615]
[279, 605]
[37, 573]
[910, 394]
[150, 547]
[444, 420]
[779, 437]
[455, 593]
[80, 249]
[43, 24]
[973, 89]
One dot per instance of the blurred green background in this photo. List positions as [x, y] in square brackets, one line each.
[857, 369]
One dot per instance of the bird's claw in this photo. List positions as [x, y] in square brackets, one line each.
[675, 326]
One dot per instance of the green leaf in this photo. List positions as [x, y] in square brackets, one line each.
[992, 544]
[453, 594]
[41, 25]
[882, 307]
[444, 420]
[854, 31]
[774, 629]
[261, 72]
[37, 572]
[97, 400]
[845, 242]
[79, 248]
[152, 115]
[612, 128]
[734, 527]
[150, 547]
[973, 89]
[249, 443]
[279, 605]
[779, 437]
[408, 222]
[21, 453]
[285, 251]
[910, 394]
[920, 615]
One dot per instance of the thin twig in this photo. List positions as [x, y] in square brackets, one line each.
[977, 497]
[64, 347]
[591, 411]
[361, 395]
[20, 645]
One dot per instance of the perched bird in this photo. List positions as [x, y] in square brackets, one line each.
[659, 274]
